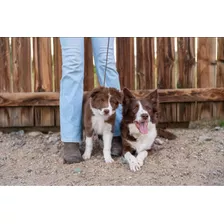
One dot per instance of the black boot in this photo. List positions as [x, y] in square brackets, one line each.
[72, 153]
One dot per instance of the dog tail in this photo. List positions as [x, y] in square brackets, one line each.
[166, 134]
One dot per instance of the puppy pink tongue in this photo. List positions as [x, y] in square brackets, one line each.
[143, 127]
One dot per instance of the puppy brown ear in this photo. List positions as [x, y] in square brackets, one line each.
[95, 91]
[117, 94]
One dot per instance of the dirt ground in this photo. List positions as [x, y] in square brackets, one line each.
[196, 157]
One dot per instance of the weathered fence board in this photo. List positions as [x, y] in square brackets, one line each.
[185, 76]
[57, 63]
[43, 78]
[57, 73]
[206, 73]
[88, 69]
[166, 75]
[21, 77]
[5, 78]
[145, 63]
[126, 61]
[220, 76]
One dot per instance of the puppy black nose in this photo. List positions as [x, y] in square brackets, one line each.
[106, 111]
[145, 116]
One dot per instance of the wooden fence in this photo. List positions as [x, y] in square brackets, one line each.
[190, 80]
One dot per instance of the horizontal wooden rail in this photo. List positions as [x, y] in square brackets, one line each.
[165, 95]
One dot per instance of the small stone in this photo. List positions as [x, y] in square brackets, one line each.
[1, 133]
[204, 138]
[16, 177]
[53, 139]
[182, 148]
[29, 171]
[158, 141]
[34, 133]
[77, 170]
[217, 128]
[21, 132]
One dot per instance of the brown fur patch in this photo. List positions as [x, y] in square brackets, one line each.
[99, 99]
[150, 103]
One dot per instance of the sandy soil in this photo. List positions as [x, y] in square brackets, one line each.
[195, 158]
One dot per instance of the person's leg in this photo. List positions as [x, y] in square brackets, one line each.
[71, 96]
[112, 79]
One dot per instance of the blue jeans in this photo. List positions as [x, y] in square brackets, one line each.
[71, 84]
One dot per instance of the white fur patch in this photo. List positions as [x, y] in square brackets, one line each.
[103, 128]
[143, 141]
[140, 112]
[88, 149]
[107, 140]
[132, 161]
[100, 112]
[141, 157]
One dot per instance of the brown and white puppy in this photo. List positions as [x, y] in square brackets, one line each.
[99, 116]
[138, 126]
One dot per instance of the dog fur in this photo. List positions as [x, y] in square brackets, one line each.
[99, 116]
[138, 127]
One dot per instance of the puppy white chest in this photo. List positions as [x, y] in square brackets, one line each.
[100, 126]
[143, 141]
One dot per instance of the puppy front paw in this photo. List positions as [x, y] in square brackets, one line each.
[108, 159]
[86, 156]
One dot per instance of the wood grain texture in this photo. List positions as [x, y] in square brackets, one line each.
[5, 78]
[5, 73]
[145, 63]
[88, 68]
[126, 61]
[206, 73]
[57, 63]
[51, 99]
[21, 76]
[43, 78]
[42, 64]
[57, 73]
[186, 76]
[219, 107]
[166, 75]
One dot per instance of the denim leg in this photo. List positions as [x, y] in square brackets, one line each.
[112, 76]
[71, 89]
